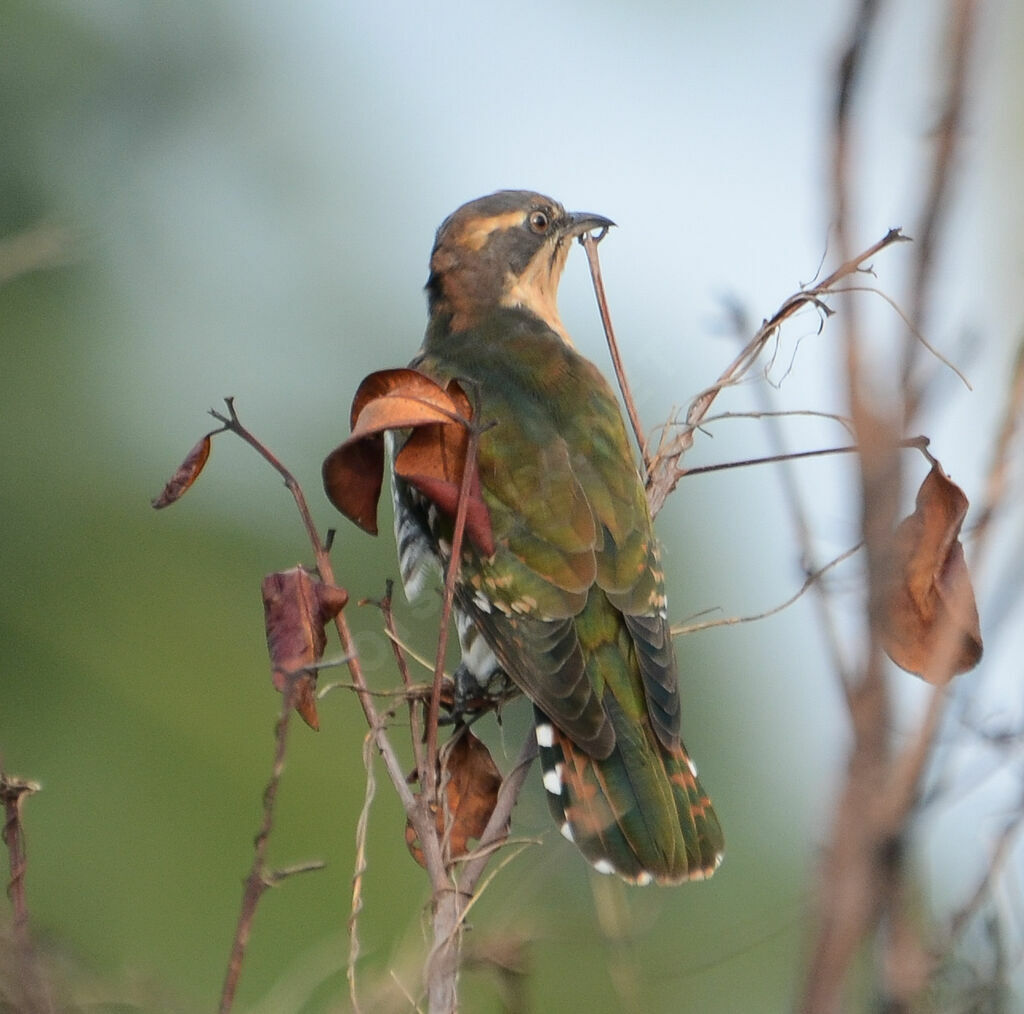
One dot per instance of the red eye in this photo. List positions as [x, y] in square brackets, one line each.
[539, 221]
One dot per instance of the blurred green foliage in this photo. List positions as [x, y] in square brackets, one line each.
[136, 685]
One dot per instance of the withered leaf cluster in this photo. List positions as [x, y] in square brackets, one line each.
[432, 460]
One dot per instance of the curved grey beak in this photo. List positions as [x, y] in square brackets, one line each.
[579, 222]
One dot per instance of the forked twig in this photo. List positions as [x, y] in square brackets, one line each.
[259, 878]
[663, 469]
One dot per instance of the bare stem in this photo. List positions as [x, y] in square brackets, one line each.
[589, 242]
[415, 725]
[260, 879]
[773, 459]
[938, 181]
[810, 581]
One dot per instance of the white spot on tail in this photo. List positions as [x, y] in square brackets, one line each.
[603, 866]
[553, 780]
[643, 879]
[545, 734]
[693, 767]
[567, 833]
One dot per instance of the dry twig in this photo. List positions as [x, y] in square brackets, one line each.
[663, 467]
[260, 878]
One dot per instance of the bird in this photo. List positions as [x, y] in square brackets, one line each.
[570, 607]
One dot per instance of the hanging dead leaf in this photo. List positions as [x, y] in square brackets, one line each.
[432, 459]
[187, 473]
[931, 609]
[296, 608]
[472, 783]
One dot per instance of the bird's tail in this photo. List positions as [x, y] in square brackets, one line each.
[640, 812]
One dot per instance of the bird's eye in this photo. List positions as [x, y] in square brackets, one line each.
[539, 222]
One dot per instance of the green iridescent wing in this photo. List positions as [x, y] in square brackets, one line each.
[568, 513]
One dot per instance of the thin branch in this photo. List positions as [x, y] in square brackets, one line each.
[913, 331]
[409, 652]
[399, 693]
[809, 582]
[939, 179]
[515, 847]
[770, 459]
[415, 726]
[795, 413]
[589, 243]
[260, 879]
[360, 869]
[918, 443]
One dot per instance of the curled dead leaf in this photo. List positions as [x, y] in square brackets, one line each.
[296, 608]
[187, 473]
[932, 627]
[432, 459]
[471, 780]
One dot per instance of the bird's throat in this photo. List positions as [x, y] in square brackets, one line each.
[536, 288]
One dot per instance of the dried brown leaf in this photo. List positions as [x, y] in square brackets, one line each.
[931, 610]
[472, 781]
[187, 473]
[296, 608]
[432, 459]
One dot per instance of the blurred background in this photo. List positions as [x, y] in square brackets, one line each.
[222, 198]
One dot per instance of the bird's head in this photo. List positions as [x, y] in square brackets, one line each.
[504, 250]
